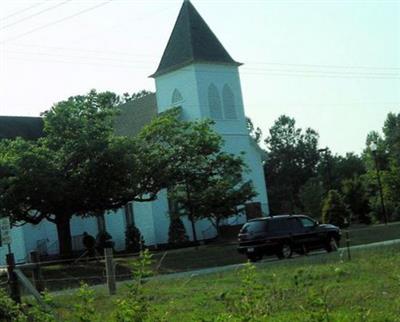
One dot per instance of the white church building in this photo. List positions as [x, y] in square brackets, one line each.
[195, 73]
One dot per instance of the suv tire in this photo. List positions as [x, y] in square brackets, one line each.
[286, 251]
[331, 245]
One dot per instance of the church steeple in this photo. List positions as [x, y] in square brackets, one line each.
[192, 41]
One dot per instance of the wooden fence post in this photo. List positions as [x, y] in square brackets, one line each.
[348, 245]
[37, 272]
[110, 271]
[15, 292]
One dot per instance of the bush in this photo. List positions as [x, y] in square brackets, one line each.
[134, 306]
[84, 307]
[14, 312]
[177, 233]
[9, 310]
[133, 239]
[335, 211]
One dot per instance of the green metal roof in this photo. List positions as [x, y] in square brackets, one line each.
[29, 128]
[135, 114]
[192, 41]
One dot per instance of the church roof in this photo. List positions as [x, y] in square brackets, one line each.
[192, 41]
[135, 114]
[29, 128]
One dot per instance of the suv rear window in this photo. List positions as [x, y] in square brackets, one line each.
[257, 226]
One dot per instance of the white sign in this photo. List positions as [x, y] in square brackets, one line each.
[5, 230]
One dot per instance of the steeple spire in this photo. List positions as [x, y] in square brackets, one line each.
[192, 41]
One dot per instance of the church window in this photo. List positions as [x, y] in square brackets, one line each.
[176, 97]
[229, 103]
[214, 103]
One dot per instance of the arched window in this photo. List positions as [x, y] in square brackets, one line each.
[229, 103]
[176, 97]
[214, 103]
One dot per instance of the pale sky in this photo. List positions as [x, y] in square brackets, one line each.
[332, 65]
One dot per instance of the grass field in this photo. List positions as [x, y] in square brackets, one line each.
[211, 255]
[314, 288]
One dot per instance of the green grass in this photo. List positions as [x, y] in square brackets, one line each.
[377, 233]
[368, 285]
[211, 255]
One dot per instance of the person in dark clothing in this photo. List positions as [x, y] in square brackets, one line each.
[89, 242]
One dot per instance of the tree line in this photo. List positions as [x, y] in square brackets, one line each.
[301, 177]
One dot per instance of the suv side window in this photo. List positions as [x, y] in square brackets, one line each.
[294, 225]
[275, 225]
[306, 222]
[256, 226]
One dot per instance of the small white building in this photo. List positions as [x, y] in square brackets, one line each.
[195, 73]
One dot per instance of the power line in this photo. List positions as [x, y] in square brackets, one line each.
[35, 14]
[329, 66]
[255, 70]
[126, 53]
[57, 21]
[275, 72]
[106, 52]
[81, 57]
[22, 10]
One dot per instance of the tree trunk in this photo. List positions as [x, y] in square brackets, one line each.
[64, 236]
[217, 226]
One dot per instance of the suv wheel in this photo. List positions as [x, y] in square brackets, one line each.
[254, 257]
[331, 245]
[285, 252]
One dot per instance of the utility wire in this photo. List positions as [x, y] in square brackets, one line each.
[35, 14]
[327, 66]
[265, 73]
[125, 53]
[57, 21]
[256, 70]
[22, 10]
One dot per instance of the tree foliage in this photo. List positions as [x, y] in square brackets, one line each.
[334, 210]
[134, 240]
[385, 161]
[356, 197]
[292, 159]
[80, 167]
[311, 196]
[255, 132]
[207, 183]
[177, 234]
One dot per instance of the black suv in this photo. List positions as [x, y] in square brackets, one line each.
[282, 235]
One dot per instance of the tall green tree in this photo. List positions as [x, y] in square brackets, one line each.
[214, 190]
[391, 131]
[334, 169]
[311, 195]
[80, 167]
[386, 159]
[355, 196]
[334, 210]
[207, 183]
[292, 159]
